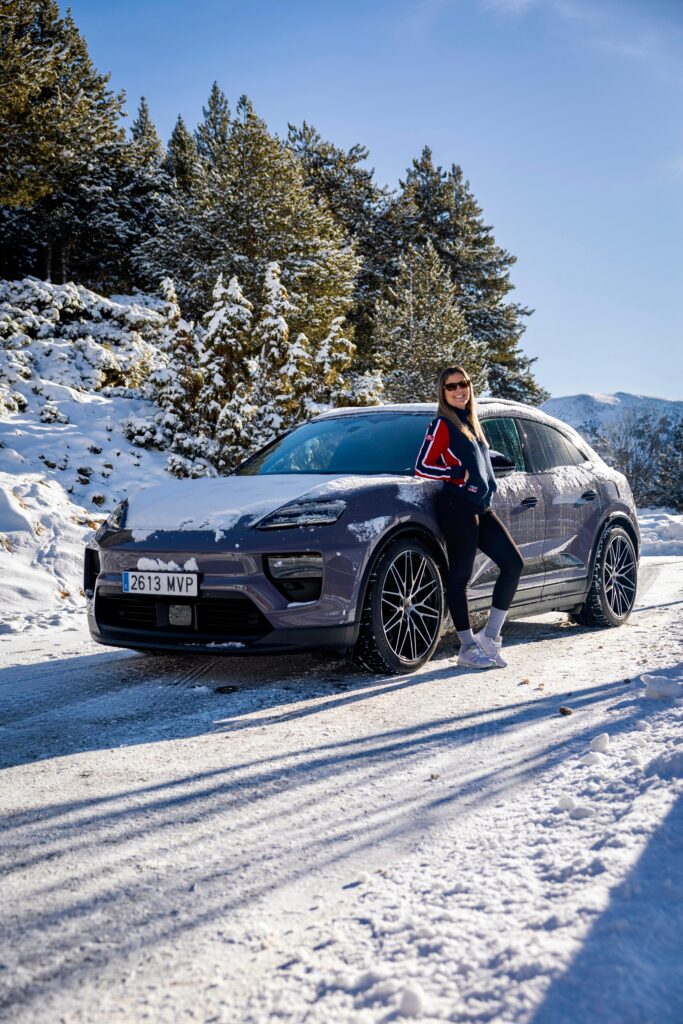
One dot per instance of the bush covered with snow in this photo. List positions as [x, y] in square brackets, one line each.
[66, 334]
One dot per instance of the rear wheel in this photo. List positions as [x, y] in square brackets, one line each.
[612, 593]
[403, 610]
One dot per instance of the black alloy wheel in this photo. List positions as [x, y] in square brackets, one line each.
[612, 594]
[403, 610]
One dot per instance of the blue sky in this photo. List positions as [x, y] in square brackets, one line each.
[564, 114]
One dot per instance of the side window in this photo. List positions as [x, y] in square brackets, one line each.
[502, 437]
[548, 447]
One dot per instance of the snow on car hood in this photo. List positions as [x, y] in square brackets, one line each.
[217, 503]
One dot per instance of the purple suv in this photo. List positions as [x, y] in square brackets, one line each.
[326, 539]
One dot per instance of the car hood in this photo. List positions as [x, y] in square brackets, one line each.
[220, 503]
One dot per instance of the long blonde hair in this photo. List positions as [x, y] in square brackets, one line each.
[472, 428]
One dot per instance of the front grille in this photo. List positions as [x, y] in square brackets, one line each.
[220, 618]
[133, 612]
[236, 615]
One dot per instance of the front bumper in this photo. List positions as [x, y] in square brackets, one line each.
[234, 613]
[278, 641]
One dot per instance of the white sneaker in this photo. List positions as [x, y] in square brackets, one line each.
[491, 648]
[474, 657]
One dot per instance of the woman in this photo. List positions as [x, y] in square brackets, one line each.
[455, 451]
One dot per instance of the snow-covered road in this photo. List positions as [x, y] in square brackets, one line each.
[284, 839]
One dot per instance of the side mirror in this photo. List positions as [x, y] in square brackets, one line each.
[502, 465]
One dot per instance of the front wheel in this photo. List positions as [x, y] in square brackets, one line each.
[403, 610]
[612, 594]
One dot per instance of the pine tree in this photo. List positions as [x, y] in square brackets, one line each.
[283, 377]
[339, 178]
[147, 146]
[439, 206]
[226, 349]
[212, 133]
[182, 162]
[81, 198]
[55, 109]
[420, 329]
[331, 363]
[267, 213]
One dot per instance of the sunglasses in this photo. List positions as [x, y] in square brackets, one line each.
[458, 386]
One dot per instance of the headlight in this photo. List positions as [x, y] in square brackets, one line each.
[302, 513]
[114, 521]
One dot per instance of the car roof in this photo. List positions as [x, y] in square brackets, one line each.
[487, 407]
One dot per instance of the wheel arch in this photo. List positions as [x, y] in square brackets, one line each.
[613, 519]
[403, 531]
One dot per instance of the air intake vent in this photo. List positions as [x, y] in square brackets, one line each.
[220, 619]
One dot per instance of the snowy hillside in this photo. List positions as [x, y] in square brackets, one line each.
[64, 459]
[588, 411]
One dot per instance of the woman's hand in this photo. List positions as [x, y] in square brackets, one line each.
[467, 475]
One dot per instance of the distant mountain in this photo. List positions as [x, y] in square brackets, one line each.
[589, 412]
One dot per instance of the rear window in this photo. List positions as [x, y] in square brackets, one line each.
[379, 443]
[549, 448]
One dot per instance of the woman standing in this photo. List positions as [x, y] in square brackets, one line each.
[455, 451]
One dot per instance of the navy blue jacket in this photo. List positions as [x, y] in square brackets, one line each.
[445, 455]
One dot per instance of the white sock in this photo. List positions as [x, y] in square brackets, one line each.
[466, 638]
[495, 623]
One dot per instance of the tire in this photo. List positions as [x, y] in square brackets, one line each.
[397, 633]
[612, 593]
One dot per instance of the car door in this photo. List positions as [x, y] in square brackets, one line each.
[519, 502]
[572, 506]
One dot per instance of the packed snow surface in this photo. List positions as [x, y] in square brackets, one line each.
[272, 839]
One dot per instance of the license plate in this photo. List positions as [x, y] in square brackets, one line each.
[176, 584]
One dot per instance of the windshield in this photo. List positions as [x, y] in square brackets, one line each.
[373, 443]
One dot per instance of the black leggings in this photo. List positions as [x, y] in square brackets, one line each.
[466, 528]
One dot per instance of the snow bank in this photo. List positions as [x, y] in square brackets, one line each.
[662, 687]
[661, 532]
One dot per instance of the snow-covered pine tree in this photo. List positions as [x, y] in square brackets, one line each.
[256, 209]
[420, 329]
[237, 433]
[146, 146]
[438, 206]
[226, 348]
[176, 387]
[331, 362]
[212, 132]
[282, 381]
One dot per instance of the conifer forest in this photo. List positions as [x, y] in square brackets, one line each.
[286, 277]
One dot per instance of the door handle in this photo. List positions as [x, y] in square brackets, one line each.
[530, 502]
[589, 495]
